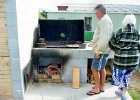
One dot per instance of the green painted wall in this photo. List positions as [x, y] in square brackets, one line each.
[116, 18]
[88, 36]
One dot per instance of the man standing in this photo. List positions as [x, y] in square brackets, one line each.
[100, 48]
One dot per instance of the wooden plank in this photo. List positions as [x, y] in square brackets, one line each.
[3, 25]
[4, 44]
[6, 89]
[4, 61]
[3, 54]
[2, 9]
[5, 72]
[42, 76]
[56, 80]
[57, 77]
[3, 21]
[6, 85]
[7, 97]
[3, 15]
[4, 68]
[76, 78]
[4, 48]
[3, 30]
[5, 80]
[6, 94]
[5, 76]
[2, 4]
[3, 35]
[42, 80]
[4, 51]
[3, 39]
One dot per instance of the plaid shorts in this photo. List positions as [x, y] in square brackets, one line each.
[99, 64]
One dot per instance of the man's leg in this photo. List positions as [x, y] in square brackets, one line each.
[97, 81]
[102, 79]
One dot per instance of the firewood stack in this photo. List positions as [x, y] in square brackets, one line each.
[108, 73]
[53, 79]
[50, 73]
[91, 76]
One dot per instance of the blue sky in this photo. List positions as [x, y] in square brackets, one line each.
[52, 4]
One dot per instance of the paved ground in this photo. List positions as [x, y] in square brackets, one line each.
[53, 91]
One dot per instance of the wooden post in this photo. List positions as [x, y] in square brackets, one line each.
[76, 78]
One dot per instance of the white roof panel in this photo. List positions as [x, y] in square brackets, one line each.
[111, 8]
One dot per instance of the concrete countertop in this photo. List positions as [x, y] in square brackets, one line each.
[86, 46]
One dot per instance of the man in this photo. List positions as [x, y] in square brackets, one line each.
[100, 48]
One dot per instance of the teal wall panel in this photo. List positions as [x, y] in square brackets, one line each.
[88, 36]
[116, 18]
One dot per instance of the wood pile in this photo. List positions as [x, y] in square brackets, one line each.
[90, 76]
[52, 79]
[50, 73]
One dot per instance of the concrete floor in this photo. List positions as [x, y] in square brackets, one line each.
[64, 91]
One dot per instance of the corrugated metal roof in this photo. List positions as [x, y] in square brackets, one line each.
[111, 8]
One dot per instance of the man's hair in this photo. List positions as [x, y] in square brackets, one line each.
[129, 19]
[101, 8]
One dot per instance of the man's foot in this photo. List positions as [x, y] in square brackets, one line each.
[92, 93]
[101, 90]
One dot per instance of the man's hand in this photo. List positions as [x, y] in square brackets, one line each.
[97, 56]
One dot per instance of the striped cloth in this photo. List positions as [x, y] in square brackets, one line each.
[126, 45]
[121, 78]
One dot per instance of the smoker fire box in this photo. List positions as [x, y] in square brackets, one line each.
[50, 73]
